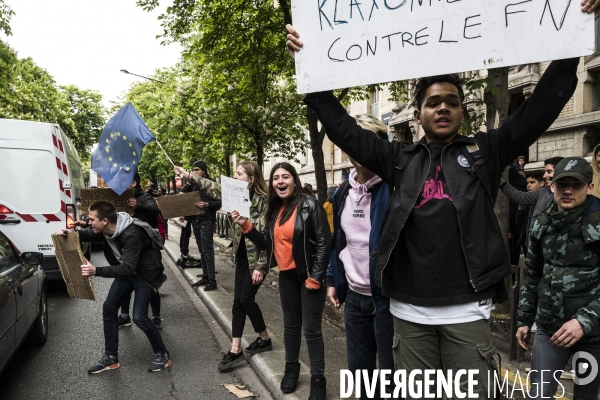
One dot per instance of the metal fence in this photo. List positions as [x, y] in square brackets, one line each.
[224, 225]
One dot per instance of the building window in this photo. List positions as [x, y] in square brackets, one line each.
[374, 103]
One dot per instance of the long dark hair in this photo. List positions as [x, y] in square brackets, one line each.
[274, 203]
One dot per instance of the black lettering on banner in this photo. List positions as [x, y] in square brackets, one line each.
[355, 3]
[506, 12]
[442, 34]
[407, 40]
[385, 2]
[335, 16]
[417, 37]
[412, 2]
[562, 20]
[359, 55]
[329, 52]
[373, 49]
[389, 38]
[470, 26]
[322, 14]
[374, 6]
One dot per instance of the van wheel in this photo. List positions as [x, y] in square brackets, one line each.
[39, 332]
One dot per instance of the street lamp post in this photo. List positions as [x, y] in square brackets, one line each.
[141, 76]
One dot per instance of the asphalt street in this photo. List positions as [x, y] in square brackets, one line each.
[58, 370]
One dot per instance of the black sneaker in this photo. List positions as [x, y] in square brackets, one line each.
[183, 258]
[158, 322]
[290, 377]
[230, 359]
[211, 285]
[161, 361]
[106, 363]
[124, 321]
[259, 345]
[201, 282]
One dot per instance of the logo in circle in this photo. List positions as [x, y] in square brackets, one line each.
[584, 364]
[462, 161]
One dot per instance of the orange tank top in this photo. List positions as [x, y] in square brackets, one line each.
[283, 238]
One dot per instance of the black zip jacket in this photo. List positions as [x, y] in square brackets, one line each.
[138, 256]
[147, 209]
[214, 205]
[480, 236]
[311, 244]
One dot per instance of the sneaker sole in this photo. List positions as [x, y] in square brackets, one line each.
[127, 324]
[167, 365]
[259, 351]
[110, 367]
[231, 364]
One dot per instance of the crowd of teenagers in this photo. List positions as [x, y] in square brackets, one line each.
[409, 243]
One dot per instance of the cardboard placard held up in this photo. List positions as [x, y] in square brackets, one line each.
[90, 196]
[70, 259]
[179, 205]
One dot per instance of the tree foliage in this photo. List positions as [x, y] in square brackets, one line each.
[30, 93]
[6, 14]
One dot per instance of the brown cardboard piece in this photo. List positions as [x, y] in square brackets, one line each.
[179, 205]
[70, 259]
[90, 196]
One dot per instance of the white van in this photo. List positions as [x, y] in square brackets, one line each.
[40, 179]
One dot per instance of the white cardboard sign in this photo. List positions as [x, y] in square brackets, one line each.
[235, 196]
[359, 42]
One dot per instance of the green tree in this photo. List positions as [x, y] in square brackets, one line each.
[6, 14]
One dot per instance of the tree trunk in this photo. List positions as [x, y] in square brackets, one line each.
[316, 144]
[498, 107]
[227, 165]
[259, 153]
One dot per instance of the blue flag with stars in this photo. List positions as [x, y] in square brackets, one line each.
[120, 148]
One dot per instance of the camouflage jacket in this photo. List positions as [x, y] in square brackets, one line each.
[256, 259]
[563, 272]
[212, 189]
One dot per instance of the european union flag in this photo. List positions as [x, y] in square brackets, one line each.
[120, 148]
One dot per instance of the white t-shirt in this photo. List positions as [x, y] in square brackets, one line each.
[442, 315]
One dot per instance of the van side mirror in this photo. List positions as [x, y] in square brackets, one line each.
[32, 258]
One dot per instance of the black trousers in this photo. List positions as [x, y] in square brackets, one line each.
[154, 303]
[244, 298]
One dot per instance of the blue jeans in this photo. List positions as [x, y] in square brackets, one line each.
[119, 290]
[369, 336]
[552, 360]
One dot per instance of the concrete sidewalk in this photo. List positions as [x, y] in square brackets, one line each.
[270, 365]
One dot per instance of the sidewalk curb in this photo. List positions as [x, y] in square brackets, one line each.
[268, 366]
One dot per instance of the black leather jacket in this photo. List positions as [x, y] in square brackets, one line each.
[312, 240]
[483, 246]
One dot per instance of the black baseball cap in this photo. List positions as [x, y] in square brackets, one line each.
[575, 167]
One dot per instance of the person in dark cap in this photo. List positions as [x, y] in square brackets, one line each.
[202, 224]
[563, 281]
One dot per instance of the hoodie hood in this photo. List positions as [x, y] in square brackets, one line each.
[123, 221]
[361, 189]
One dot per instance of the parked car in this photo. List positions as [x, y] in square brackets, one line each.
[40, 177]
[23, 304]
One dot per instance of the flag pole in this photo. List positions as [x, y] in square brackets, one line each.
[168, 158]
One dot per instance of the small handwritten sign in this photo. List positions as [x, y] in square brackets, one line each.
[235, 196]
[90, 196]
[359, 42]
[179, 205]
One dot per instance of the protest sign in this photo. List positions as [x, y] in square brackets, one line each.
[90, 196]
[70, 259]
[179, 205]
[235, 196]
[350, 42]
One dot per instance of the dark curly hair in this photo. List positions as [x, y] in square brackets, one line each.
[420, 86]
